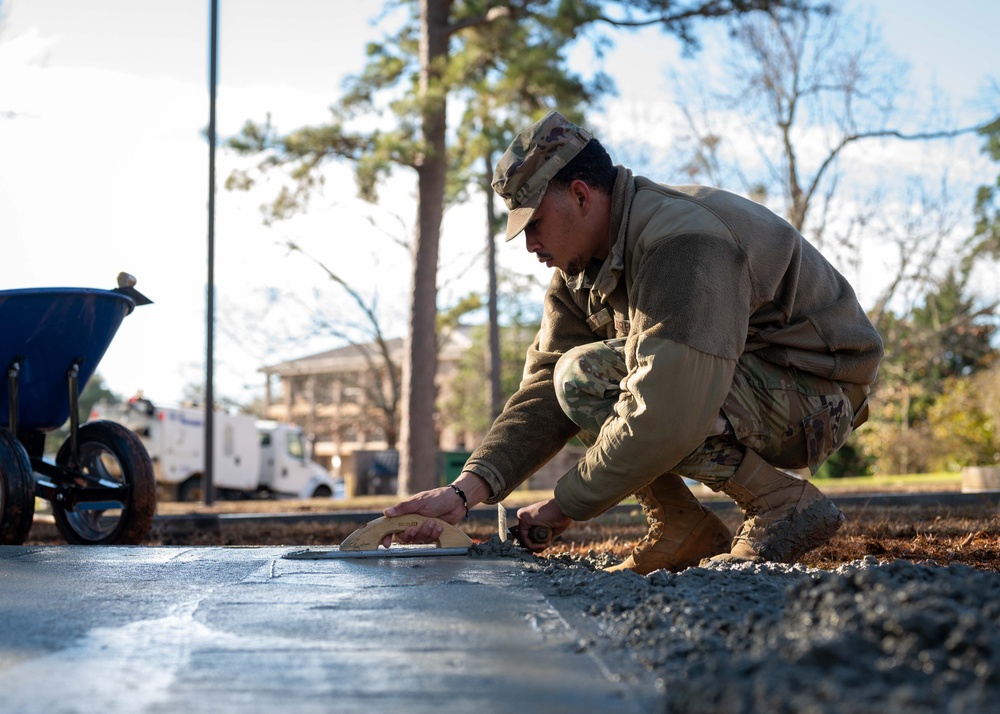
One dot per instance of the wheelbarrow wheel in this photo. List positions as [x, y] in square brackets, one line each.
[115, 455]
[17, 490]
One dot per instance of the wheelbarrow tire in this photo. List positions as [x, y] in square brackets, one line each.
[118, 452]
[17, 490]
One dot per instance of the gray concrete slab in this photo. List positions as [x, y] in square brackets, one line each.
[170, 629]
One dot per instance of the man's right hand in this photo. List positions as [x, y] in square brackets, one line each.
[443, 503]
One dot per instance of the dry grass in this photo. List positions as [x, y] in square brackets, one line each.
[969, 535]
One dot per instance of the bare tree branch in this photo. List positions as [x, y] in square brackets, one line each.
[383, 365]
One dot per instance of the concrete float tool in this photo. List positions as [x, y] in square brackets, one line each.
[366, 542]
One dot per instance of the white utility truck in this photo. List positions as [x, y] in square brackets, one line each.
[253, 458]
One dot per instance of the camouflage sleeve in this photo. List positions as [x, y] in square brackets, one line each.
[532, 427]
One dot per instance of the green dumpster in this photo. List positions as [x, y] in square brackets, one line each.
[452, 463]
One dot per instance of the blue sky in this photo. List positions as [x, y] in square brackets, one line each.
[102, 166]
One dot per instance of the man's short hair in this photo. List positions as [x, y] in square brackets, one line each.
[592, 165]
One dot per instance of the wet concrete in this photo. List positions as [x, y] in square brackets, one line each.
[163, 629]
[225, 629]
[738, 639]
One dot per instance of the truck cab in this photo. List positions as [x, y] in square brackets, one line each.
[286, 468]
[252, 458]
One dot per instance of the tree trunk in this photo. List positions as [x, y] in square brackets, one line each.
[418, 468]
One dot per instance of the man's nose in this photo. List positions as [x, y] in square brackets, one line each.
[530, 242]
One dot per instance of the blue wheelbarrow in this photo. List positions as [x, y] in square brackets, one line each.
[101, 485]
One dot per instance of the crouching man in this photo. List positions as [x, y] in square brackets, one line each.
[686, 332]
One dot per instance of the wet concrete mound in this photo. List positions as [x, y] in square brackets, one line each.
[733, 639]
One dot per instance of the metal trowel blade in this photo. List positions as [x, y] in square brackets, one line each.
[399, 551]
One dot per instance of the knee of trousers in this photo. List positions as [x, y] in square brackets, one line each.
[587, 382]
[585, 373]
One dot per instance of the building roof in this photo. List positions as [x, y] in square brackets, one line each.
[357, 356]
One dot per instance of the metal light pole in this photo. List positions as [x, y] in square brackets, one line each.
[208, 482]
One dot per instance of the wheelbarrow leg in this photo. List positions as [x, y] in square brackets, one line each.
[74, 415]
[12, 405]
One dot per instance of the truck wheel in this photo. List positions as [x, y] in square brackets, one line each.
[113, 454]
[322, 492]
[17, 491]
[190, 491]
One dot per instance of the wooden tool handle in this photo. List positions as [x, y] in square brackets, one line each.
[370, 535]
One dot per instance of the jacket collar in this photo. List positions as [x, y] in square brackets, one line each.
[606, 279]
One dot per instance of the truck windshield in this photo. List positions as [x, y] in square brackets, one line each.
[295, 446]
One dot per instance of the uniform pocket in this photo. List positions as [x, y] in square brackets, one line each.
[790, 418]
[826, 431]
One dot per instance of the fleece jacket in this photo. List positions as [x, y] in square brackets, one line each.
[695, 277]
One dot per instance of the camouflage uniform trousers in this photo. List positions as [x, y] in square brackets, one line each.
[791, 419]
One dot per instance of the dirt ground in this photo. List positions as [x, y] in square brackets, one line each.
[899, 612]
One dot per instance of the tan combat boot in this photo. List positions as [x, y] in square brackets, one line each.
[682, 532]
[785, 517]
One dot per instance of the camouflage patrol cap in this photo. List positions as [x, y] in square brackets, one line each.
[530, 162]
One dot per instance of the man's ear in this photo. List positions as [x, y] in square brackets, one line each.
[580, 194]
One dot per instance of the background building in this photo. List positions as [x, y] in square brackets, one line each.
[347, 399]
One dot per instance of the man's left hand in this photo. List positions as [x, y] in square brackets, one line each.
[543, 513]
